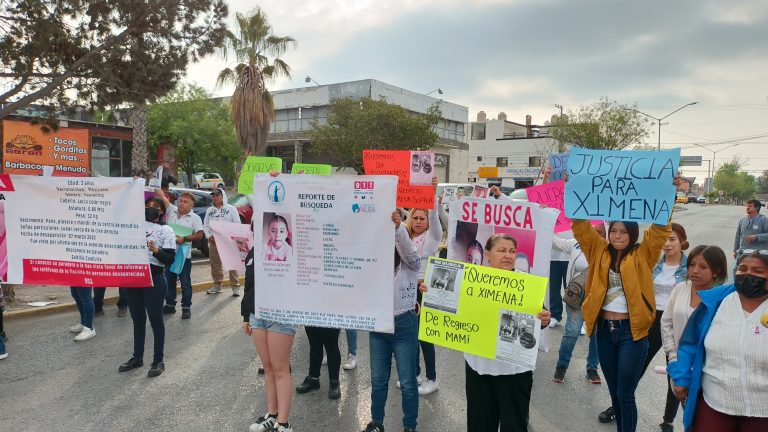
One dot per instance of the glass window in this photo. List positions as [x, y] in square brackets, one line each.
[479, 158]
[502, 161]
[534, 161]
[478, 131]
[110, 157]
[203, 201]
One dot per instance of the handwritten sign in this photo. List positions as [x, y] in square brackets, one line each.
[317, 169]
[398, 163]
[255, 165]
[483, 311]
[621, 185]
[559, 164]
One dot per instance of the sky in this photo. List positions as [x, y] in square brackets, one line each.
[525, 56]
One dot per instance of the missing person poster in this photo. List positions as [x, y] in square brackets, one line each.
[233, 241]
[324, 250]
[621, 185]
[87, 231]
[422, 167]
[484, 311]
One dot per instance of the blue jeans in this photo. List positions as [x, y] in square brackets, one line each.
[570, 336]
[351, 341]
[558, 271]
[84, 299]
[622, 361]
[2, 345]
[186, 285]
[98, 298]
[404, 344]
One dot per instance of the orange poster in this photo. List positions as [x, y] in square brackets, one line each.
[26, 150]
[398, 163]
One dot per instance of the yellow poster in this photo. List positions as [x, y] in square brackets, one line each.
[482, 310]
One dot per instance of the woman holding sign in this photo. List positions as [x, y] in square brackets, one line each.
[620, 304]
[499, 393]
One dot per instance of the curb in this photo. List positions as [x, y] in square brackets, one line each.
[66, 307]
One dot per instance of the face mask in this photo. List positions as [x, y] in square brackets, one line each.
[151, 214]
[750, 286]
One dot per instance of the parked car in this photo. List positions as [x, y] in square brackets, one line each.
[203, 200]
[681, 199]
[244, 210]
[209, 181]
[692, 199]
[701, 199]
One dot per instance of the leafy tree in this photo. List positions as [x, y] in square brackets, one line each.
[354, 125]
[762, 183]
[198, 128]
[734, 183]
[604, 125]
[258, 50]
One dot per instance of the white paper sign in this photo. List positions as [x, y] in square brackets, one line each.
[233, 241]
[324, 250]
[82, 231]
[157, 178]
[422, 167]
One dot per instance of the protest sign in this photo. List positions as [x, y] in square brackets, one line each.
[317, 169]
[422, 165]
[233, 241]
[559, 164]
[74, 231]
[551, 195]
[483, 311]
[398, 163]
[320, 242]
[157, 178]
[621, 185]
[256, 165]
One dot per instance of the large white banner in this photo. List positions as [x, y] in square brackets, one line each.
[324, 250]
[82, 231]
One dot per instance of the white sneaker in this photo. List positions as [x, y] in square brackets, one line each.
[86, 334]
[77, 328]
[214, 290]
[4, 355]
[428, 387]
[264, 424]
[351, 362]
[236, 291]
[419, 381]
[583, 329]
[553, 323]
[325, 359]
[280, 428]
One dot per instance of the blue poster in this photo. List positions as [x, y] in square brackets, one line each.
[621, 185]
[558, 162]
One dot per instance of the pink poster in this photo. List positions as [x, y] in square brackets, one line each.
[233, 241]
[551, 195]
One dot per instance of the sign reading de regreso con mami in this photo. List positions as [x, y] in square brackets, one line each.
[621, 185]
[73, 231]
[322, 254]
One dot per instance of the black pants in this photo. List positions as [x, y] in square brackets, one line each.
[494, 401]
[654, 344]
[143, 303]
[320, 337]
[98, 298]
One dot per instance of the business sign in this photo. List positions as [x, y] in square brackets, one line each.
[74, 232]
[27, 150]
[324, 250]
[621, 185]
[690, 161]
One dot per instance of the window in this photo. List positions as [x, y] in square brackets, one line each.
[502, 162]
[478, 131]
[479, 158]
[534, 161]
[110, 157]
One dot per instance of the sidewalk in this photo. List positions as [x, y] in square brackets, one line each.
[201, 280]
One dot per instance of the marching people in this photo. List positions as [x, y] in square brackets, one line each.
[220, 211]
[707, 268]
[752, 231]
[147, 302]
[83, 297]
[185, 217]
[577, 273]
[619, 305]
[721, 371]
[403, 343]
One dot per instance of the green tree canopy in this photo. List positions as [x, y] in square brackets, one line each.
[734, 183]
[354, 125]
[198, 128]
[605, 124]
[100, 53]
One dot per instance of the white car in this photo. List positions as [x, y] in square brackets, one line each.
[208, 181]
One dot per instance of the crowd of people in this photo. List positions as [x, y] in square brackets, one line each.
[629, 297]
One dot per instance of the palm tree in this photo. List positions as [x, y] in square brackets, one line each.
[258, 50]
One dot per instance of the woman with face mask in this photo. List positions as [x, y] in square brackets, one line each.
[721, 371]
[148, 302]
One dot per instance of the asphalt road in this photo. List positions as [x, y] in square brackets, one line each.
[51, 383]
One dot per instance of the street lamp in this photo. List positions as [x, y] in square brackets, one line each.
[308, 79]
[660, 119]
[714, 156]
[439, 91]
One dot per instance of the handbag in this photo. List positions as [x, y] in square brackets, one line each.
[574, 291]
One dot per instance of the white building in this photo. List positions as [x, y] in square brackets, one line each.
[521, 148]
[295, 109]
